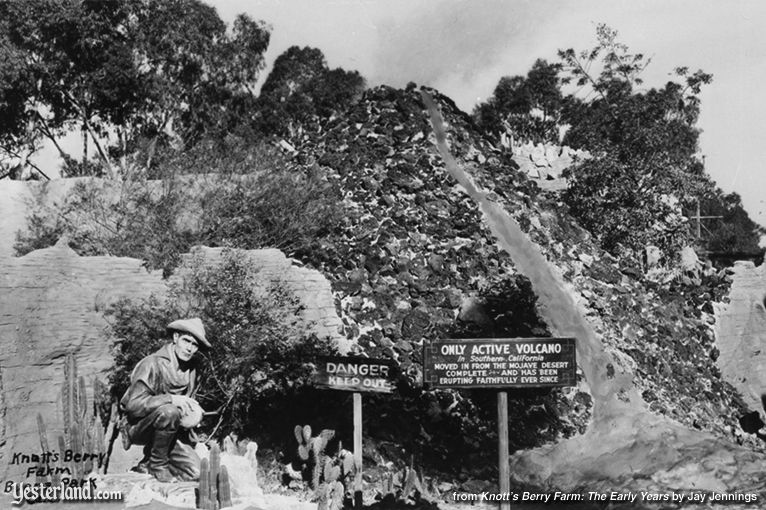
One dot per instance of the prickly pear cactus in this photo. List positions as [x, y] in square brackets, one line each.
[317, 461]
[347, 464]
[336, 496]
[327, 475]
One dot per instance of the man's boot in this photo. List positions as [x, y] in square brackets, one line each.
[158, 461]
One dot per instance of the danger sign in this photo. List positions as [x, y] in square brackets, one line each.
[355, 374]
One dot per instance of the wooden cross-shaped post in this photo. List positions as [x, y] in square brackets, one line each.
[700, 218]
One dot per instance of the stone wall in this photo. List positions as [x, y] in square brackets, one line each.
[52, 303]
[741, 333]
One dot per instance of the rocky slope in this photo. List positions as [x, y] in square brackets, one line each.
[417, 250]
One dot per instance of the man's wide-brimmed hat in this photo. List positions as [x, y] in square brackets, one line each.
[192, 326]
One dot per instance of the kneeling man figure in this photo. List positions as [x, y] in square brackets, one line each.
[160, 408]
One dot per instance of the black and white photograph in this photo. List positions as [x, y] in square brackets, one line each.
[382, 254]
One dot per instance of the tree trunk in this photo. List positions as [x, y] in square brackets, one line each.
[84, 146]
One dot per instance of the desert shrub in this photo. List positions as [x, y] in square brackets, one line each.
[44, 229]
[260, 354]
[253, 199]
[133, 219]
[230, 155]
[285, 210]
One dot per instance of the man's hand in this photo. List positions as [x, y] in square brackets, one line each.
[191, 412]
[183, 402]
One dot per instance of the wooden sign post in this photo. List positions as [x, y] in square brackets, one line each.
[504, 467]
[357, 375]
[358, 450]
[500, 363]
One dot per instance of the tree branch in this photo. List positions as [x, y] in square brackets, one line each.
[86, 124]
[45, 130]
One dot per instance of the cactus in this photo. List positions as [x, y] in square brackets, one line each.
[215, 466]
[83, 428]
[98, 399]
[348, 466]
[77, 449]
[203, 493]
[331, 496]
[82, 394]
[43, 433]
[214, 491]
[99, 439]
[62, 444]
[303, 447]
[336, 496]
[317, 449]
[326, 475]
[224, 488]
[250, 455]
[67, 393]
[318, 445]
[40, 479]
[229, 446]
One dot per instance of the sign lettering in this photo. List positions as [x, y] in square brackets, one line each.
[500, 362]
[355, 374]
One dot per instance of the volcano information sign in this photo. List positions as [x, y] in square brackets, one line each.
[500, 363]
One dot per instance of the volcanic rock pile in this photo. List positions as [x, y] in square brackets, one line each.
[414, 254]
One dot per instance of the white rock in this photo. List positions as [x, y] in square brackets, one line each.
[140, 495]
[689, 259]
[653, 256]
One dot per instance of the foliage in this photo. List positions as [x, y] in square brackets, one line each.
[290, 220]
[133, 69]
[260, 350]
[625, 205]
[618, 65]
[271, 205]
[301, 90]
[644, 167]
[527, 108]
[733, 232]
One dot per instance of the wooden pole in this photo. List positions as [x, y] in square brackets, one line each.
[358, 450]
[504, 467]
[699, 220]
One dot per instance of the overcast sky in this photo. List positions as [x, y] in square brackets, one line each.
[463, 47]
